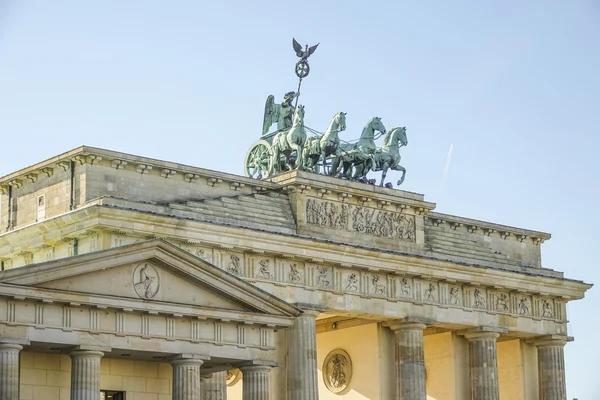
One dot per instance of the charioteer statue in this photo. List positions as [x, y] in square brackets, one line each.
[291, 148]
[281, 114]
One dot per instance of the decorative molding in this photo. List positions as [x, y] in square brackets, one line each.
[118, 164]
[143, 168]
[167, 173]
[214, 182]
[364, 220]
[337, 371]
[191, 178]
[47, 171]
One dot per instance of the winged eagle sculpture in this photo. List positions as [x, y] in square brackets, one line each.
[301, 52]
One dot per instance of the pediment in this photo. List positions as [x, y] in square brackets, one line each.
[154, 271]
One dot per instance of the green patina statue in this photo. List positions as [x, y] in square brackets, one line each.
[287, 141]
[289, 148]
[280, 114]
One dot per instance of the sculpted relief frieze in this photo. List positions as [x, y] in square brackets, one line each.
[364, 220]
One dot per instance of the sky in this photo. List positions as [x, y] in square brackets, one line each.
[512, 87]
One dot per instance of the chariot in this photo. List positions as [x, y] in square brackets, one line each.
[294, 146]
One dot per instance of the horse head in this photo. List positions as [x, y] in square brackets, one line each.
[340, 119]
[299, 115]
[399, 134]
[377, 125]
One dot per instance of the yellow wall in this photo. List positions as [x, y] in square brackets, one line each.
[510, 370]
[48, 377]
[362, 345]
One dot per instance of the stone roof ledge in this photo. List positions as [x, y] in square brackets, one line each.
[93, 155]
[341, 189]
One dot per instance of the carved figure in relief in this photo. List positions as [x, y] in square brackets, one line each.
[524, 306]
[234, 265]
[430, 292]
[200, 253]
[294, 275]
[337, 378]
[146, 281]
[454, 293]
[405, 287]
[502, 302]
[378, 288]
[547, 311]
[479, 300]
[322, 279]
[326, 214]
[351, 283]
[264, 270]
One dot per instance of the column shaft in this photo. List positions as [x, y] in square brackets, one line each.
[551, 370]
[85, 374]
[483, 365]
[9, 371]
[302, 350]
[186, 379]
[214, 386]
[410, 361]
[255, 381]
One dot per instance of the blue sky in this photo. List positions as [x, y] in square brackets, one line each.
[513, 86]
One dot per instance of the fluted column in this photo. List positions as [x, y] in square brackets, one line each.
[85, 374]
[483, 365]
[214, 386]
[255, 382]
[186, 379]
[9, 371]
[551, 368]
[302, 350]
[410, 360]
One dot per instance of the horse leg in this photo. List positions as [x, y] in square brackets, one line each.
[335, 164]
[300, 158]
[403, 170]
[384, 170]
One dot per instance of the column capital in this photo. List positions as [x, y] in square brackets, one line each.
[187, 361]
[86, 354]
[255, 368]
[10, 346]
[409, 323]
[483, 332]
[310, 309]
[551, 340]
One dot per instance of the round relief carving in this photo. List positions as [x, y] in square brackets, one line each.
[146, 281]
[337, 371]
[233, 376]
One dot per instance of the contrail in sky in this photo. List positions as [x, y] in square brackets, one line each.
[448, 159]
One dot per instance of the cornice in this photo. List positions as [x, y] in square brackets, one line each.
[487, 228]
[296, 246]
[144, 165]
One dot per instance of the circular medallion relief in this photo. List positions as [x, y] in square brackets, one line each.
[337, 371]
[233, 376]
[146, 281]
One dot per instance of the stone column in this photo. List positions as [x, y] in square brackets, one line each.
[186, 379]
[9, 371]
[302, 350]
[214, 386]
[255, 382]
[410, 360]
[483, 365]
[551, 368]
[85, 374]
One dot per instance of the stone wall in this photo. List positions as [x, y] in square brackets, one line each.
[48, 377]
[361, 343]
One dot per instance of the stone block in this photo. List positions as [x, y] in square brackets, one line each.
[165, 371]
[111, 382]
[146, 369]
[26, 360]
[26, 392]
[31, 376]
[134, 384]
[46, 361]
[58, 378]
[46, 393]
[122, 367]
[65, 393]
[144, 396]
[158, 386]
